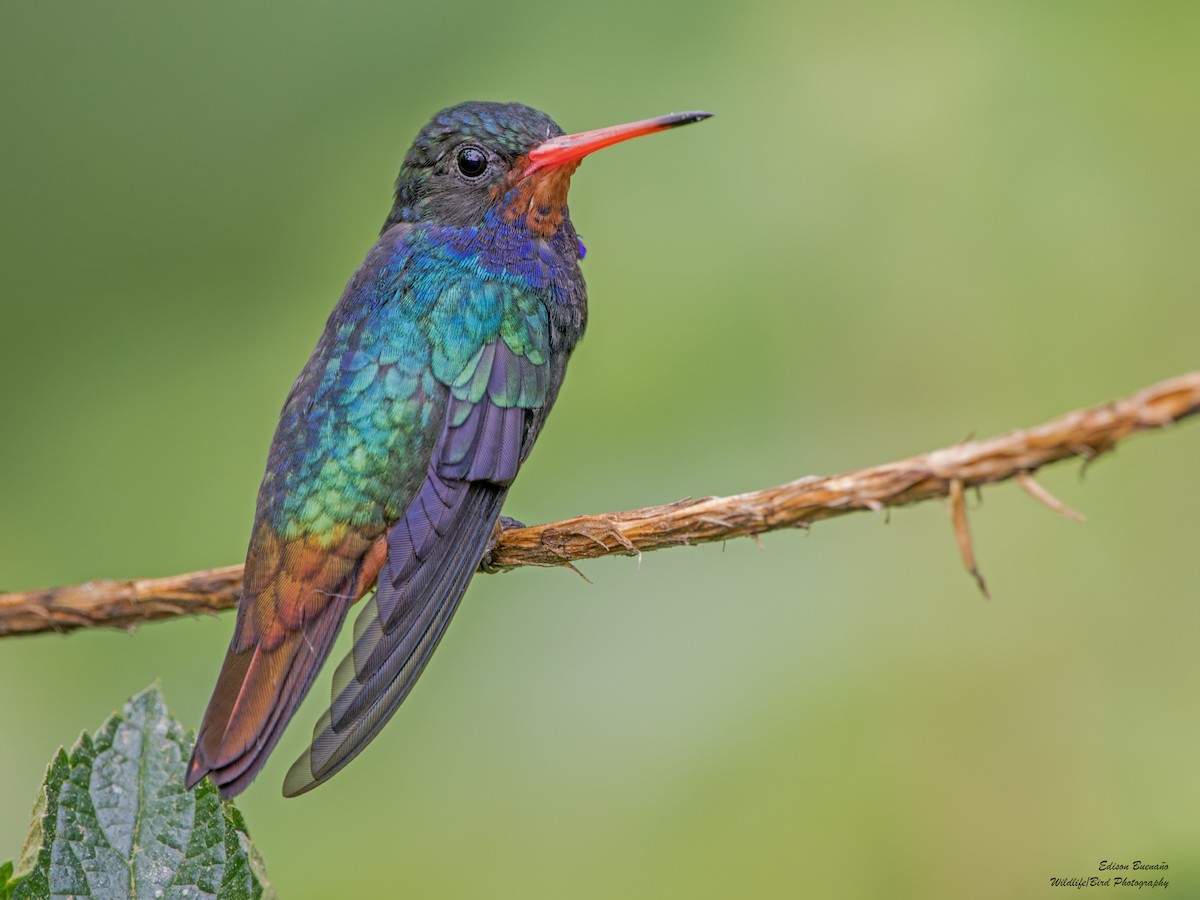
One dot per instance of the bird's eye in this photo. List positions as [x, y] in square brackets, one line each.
[472, 162]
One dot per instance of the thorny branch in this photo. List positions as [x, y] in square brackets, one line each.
[1085, 433]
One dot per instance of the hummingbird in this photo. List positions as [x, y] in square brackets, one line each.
[403, 433]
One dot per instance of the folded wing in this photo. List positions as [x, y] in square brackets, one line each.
[490, 422]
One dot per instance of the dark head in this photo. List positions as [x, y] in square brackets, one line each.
[506, 160]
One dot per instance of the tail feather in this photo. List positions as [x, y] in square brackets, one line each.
[257, 692]
[419, 597]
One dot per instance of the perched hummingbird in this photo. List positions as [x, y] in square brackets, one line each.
[400, 439]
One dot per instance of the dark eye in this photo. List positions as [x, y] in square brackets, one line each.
[472, 162]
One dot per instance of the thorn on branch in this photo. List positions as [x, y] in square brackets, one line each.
[1090, 454]
[962, 533]
[1041, 494]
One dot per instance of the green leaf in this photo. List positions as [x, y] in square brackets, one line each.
[113, 819]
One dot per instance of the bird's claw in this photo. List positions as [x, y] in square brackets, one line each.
[503, 524]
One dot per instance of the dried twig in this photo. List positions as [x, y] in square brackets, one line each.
[1086, 433]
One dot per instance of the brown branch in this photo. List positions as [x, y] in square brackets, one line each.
[1086, 433]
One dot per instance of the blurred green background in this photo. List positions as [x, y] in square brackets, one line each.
[905, 225]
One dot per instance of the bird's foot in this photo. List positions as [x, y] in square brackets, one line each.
[503, 524]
